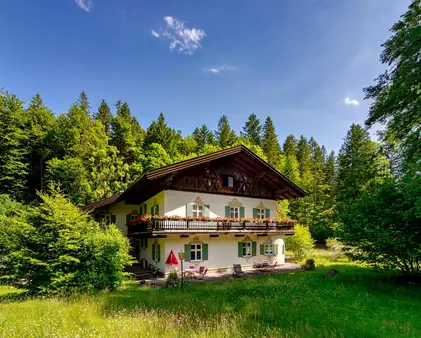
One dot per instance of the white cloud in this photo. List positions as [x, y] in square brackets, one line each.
[216, 70]
[86, 5]
[183, 40]
[348, 101]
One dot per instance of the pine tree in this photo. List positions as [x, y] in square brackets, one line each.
[290, 146]
[104, 115]
[270, 143]
[160, 133]
[225, 136]
[13, 146]
[203, 136]
[40, 122]
[83, 102]
[252, 130]
[360, 164]
[304, 161]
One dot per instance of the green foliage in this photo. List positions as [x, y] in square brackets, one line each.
[156, 157]
[225, 136]
[383, 226]
[309, 264]
[105, 116]
[160, 133]
[396, 94]
[172, 280]
[301, 242]
[13, 146]
[252, 130]
[203, 136]
[57, 248]
[333, 244]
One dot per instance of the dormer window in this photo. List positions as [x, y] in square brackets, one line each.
[227, 181]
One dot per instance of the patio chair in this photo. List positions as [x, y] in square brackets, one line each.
[237, 270]
[201, 269]
[203, 274]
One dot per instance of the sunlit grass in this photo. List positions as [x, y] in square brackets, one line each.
[355, 303]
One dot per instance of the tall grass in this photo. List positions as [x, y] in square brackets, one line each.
[356, 303]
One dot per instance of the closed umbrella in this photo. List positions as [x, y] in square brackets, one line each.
[171, 260]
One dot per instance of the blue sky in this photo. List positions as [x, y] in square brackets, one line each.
[296, 61]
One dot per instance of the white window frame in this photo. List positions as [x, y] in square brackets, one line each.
[261, 213]
[269, 249]
[234, 212]
[230, 182]
[197, 210]
[133, 217]
[197, 249]
[247, 249]
[105, 219]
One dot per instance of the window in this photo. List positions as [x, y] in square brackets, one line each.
[195, 252]
[156, 251]
[133, 217]
[247, 249]
[228, 181]
[105, 219]
[261, 213]
[197, 210]
[269, 250]
[234, 212]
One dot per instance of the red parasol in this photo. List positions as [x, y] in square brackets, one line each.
[171, 260]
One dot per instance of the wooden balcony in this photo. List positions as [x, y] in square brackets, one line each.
[168, 226]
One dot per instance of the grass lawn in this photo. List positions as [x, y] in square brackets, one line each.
[357, 302]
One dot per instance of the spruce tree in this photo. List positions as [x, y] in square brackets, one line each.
[83, 102]
[252, 130]
[203, 136]
[40, 122]
[104, 115]
[304, 161]
[160, 133]
[270, 143]
[360, 164]
[13, 146]
[225, 136]
[290, 146]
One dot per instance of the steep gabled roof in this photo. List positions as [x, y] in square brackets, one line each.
[243, 158]
[102, 203]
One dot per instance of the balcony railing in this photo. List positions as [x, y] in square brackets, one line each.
[168, 225]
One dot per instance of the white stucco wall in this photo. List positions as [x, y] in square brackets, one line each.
[121, 209]
[175, 203]
[222, 251]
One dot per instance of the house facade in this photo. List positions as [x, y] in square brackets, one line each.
[219, 209]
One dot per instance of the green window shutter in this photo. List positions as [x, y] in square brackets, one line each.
[275, 249]
[145, 209]
[206, 210]
[152, 210]
[187, 255]
[254, 212]
[267, 213]
[159, 252]
[262, 249]
[242, 212]
[227, 211]
[157, 209]
[240, 249]
[253, 249]
[113, 219]
[153, 252]
[189, 209]
[127, 219]
[205, 252]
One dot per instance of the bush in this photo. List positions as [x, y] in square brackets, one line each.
[336, 247]
[172, 280]
[301, 242]
[383, 226]
[56, 248]
[309, 264]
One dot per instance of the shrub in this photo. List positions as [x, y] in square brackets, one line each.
[309, 264]
[172, 280]
[301, 242]
[332, 244]
[56, 248]
[383, 226]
